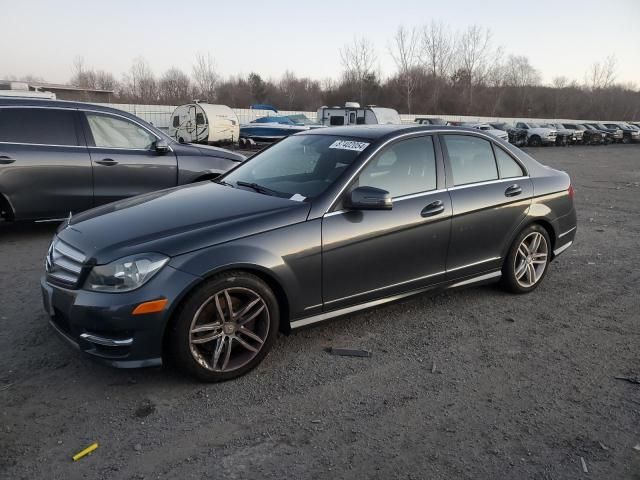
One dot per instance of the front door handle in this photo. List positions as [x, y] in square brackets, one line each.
[434, 208]
[4, 160]
[513, 190]
[107, 162]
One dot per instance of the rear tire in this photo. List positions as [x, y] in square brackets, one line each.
[527, 261]
[535, 141]
[225, 328]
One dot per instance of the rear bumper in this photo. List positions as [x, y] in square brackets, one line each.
[101, 324]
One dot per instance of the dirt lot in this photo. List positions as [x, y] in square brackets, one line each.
[523, 386]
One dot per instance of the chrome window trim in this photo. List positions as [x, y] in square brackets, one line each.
[567, 232]
[477, 133]
[487, 182]
[84, 110]
[44, 145]
[395, 200]
[80, 109]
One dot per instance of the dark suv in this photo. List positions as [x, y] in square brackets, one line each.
[59, 157]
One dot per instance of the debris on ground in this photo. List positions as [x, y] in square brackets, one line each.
[137, 447]
[603, 446]
[433, 367]
[349, 352]
[584, 465]
[315, 421]
[145, 409]
[634, 380]
[85, 452]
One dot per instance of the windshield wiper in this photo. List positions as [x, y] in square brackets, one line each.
[259, 188]
[222, 182]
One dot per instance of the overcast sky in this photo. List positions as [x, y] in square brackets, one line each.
[42, 38]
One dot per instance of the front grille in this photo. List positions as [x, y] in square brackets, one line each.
[64, 263]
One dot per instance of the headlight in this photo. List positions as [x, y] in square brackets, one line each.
[125, 274]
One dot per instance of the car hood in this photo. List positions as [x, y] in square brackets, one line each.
[543, 130]
[207, 151]
[178, 220]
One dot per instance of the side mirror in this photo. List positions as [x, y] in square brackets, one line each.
[161, 146]
[368, 198]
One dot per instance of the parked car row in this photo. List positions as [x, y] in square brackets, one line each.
[534, 134]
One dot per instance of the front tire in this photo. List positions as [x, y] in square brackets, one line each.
[527, 261]
[226, 327]
[535, 141]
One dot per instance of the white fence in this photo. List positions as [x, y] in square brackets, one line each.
[160, 115]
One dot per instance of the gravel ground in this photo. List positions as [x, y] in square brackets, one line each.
[471, 384]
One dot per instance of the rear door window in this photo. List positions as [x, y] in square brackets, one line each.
[507, 166]
[471, 159]
[43, 126]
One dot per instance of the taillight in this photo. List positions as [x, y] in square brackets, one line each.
[570, 191]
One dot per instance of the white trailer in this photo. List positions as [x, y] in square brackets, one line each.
[204, 123]
[353, 114]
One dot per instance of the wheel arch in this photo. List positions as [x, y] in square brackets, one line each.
[6, 209]
[261, 273]
[543, 222]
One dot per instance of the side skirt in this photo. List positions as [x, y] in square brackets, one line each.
[381, 301]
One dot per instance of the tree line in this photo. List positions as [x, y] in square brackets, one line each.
[437, 71]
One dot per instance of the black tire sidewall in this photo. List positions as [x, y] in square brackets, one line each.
[509, 280]
[179, 341]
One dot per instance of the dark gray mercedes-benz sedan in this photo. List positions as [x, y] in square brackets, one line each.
[321, 224]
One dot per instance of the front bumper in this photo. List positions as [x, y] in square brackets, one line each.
[549, 140]
[101, 324]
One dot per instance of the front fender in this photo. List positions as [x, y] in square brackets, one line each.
[289, 256]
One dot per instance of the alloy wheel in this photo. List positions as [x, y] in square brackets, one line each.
[531, 259]
[229, 329]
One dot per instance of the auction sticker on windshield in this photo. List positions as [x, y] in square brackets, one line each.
[349, 145]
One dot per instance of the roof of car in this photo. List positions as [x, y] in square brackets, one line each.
[375, 132]
[45, 102]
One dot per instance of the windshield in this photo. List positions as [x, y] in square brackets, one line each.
[300, 165]
[534, 125]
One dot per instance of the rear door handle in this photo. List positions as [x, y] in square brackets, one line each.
[434, 208]
[107, 162]
[513, 190]
[4, 160]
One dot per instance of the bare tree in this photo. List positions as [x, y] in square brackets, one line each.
[105, 80]
[174, 87]
[602, 74]
[406, 55]
[83, 76]
[288, 85]
[205, 76]
[358, 60]
[473, 54]
[140, 84]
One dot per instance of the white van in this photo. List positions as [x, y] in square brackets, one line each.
[353, 114]
[204, 123]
